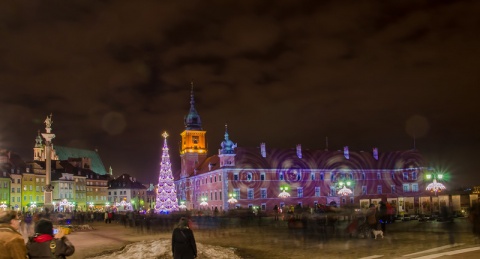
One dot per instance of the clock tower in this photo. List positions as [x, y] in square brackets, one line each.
[193, 149]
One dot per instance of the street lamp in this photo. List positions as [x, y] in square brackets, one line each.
[232, 199]
[33, 205]
[284, 194]
[435, 186]
[344, 191]
[182, 205]
[90, 205]
[3, 206]
[204, 202]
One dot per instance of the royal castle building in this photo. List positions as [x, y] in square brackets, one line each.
[264, 177]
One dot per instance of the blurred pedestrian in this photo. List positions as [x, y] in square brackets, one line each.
[372, 217]
[383, 215]
[474, 218]
[44, 244]
[183, 241]
[12, 245]
[275, 212]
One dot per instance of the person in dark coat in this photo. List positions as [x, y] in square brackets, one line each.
[183, 241]
[46, 245]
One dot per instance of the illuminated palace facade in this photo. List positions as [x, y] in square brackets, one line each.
[255, 177]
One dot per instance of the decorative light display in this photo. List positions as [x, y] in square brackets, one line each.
[182, 206]
[3, 206]
[123, 204]
[166, 201]
[435, 187]
[232, 199]
[284, 194]
[344, 191]
[204, 202]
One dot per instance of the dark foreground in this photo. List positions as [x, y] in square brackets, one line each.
[266, 238]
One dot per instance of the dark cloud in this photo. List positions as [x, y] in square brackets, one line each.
[116, 74]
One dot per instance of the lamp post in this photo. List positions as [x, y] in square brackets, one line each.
[232, 199]
[4, 206]
[90, 205]
[204, 202]
[284, 194]
[344, 190]
[435, 187]
[182, 205]
[33, 205]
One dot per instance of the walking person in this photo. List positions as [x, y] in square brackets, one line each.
[183, 241]
[44, 244]
[12, 245]
[372, 217]
[275, 212]
[383, 216]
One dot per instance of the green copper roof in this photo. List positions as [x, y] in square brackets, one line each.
[64, 153]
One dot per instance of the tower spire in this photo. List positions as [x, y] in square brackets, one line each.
[192, 120]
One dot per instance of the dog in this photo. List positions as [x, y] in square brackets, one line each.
[377, 233]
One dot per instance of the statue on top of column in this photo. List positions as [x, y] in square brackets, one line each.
[48, 122]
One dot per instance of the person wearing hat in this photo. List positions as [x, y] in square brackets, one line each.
[183, 241]
[12, 245]
[44, 244]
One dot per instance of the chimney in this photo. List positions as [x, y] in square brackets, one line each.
[375, 153]
[345, 152]
[299, 151]
[263, 150]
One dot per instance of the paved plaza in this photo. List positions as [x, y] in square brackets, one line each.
[273, 239]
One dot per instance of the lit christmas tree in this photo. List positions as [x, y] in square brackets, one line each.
[166, 193]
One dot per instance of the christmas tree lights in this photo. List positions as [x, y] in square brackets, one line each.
[166, 201]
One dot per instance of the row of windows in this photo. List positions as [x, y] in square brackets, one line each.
[333, 191]
[214, 196]
[213, 178]
[125, 193]
[298, 176]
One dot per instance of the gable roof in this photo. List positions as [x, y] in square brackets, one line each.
[64, 153]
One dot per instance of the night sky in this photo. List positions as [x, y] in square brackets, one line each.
[116, 74]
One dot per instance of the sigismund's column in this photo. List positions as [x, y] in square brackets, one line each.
[48, 163]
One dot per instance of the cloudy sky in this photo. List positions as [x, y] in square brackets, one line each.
[116, 74]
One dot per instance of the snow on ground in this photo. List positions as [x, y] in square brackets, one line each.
[153, 249]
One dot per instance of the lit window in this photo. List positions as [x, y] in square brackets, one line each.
[414, 187]
[263, 193]
[379, 189]
[250, 194]
[317, 191]
[299, 192]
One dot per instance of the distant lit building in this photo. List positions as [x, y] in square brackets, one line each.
[126, 193]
